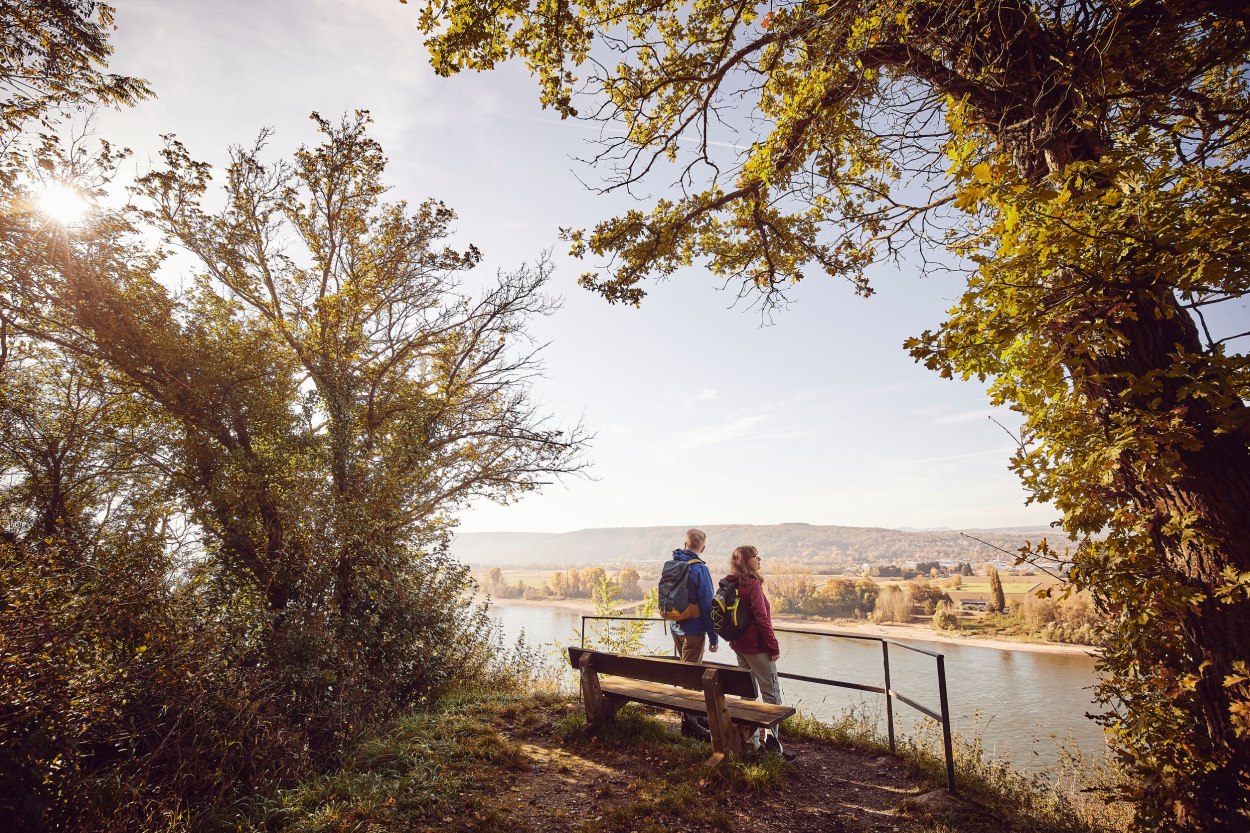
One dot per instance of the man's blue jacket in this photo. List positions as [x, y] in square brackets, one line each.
[701, 587]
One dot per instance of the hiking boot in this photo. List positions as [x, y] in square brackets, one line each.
[691, 729]
[771, 744]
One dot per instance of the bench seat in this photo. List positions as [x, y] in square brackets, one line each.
[752, 713]
[725, 693]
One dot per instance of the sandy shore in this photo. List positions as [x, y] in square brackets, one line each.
[919, 633]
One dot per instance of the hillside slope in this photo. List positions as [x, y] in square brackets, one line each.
[518, 764]
[797, 541]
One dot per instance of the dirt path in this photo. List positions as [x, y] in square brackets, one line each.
[619, 785]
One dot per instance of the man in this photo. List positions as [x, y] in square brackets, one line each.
[690, 635]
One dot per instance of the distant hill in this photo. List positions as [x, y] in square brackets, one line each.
[799, 542]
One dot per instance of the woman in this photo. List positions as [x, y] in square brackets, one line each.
[757, 647]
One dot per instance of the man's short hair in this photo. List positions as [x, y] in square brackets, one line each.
[695, 538]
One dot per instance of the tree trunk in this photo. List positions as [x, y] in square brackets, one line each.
[1211, 488]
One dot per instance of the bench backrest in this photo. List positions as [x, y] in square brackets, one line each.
[735, 681]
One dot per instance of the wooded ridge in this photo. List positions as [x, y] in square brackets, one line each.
[791, 541]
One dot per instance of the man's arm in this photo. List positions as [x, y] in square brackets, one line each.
[703, 580]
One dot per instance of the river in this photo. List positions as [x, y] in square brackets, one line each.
[1021, 704]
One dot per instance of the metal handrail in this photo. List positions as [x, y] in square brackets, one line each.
[942, 716]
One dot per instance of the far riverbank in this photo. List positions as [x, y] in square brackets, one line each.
[919, 633]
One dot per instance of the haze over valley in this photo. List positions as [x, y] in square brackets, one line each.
[815, 545]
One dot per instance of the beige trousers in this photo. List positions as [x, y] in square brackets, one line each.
[689, 648]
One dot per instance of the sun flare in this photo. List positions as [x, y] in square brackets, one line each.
[62, 203]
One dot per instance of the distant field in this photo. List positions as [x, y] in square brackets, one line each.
[531, 578]
[1011, 584]
[970, 584]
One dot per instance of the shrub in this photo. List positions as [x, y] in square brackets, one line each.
[926, 596]
[135, 697]
[893, 605]
[123, 705]
[945, 618]
[1070, 618]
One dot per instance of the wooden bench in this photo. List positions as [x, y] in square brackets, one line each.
[724, 693]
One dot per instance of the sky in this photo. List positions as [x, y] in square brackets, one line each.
[701, 412]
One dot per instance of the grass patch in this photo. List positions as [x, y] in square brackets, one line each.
[688, 793]
[675, 801]
[662, 807]
[993, 796]
[1073, 799]
[634, 726]
[422, 769]
[853, 729]
[442, 769]
[636, 729]
[756, 773]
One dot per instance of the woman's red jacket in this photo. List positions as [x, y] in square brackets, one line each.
[758, 638]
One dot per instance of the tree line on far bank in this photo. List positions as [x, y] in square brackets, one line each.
[1069, 619]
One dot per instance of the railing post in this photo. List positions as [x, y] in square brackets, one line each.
[583, 632]
[889, 694]
[946, 726]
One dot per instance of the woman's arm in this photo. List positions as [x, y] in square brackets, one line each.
[763, 619]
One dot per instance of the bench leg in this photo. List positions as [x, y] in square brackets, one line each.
[726, 739]
[600, 708]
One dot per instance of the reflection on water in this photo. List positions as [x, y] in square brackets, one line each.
[1020, 702]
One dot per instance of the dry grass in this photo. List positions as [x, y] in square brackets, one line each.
[509, 764]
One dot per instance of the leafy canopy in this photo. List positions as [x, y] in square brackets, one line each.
[1083, 161]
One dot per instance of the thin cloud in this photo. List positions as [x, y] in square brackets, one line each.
[727, 432]
[948, 457]
[962, 416]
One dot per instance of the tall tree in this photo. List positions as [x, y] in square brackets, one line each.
[998, 600]
[52, 63]
[52, 58]
[628, 579]
[331, 395]
[417, 393]
[351, 393]
[1087, 160]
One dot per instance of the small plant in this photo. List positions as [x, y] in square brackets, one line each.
[623, 637]
[855, 727]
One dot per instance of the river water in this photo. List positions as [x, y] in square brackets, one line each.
[1021, 704]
